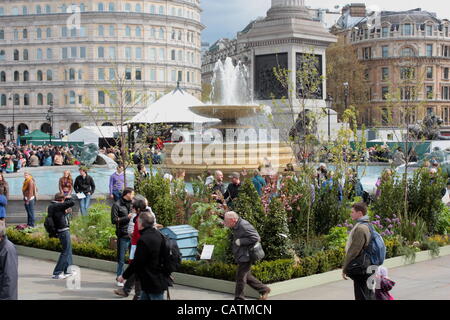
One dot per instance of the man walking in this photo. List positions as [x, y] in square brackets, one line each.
[244, 237]
[8, 267]
[117, 183]
[233, 188]
[84, 186]
[58, 211]
[147, 260]
[358, 240]
[120, 216]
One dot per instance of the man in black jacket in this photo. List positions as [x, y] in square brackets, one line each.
[244, 237]
[84, 184]
[147, 264]
[120, 216]
[58, 211]
[233, 188]
[8, 267]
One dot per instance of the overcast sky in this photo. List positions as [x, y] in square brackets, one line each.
[223, 18]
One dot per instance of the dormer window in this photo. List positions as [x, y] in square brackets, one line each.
[429, 30]
[407, 29]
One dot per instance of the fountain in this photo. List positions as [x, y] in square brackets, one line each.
[234, 143]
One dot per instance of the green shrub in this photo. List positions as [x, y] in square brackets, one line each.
[249, 205]
[337, 238]
[275, 236]
[274, 271]
[310, 266]
[443, 221]
[157, 191]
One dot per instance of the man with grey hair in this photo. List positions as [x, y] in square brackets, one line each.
[147, 260]
[8, 267]
[244, 237]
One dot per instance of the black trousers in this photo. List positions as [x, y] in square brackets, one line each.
[244, 276]
[131, 282]
[362, 291]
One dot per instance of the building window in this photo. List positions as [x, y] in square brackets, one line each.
[101, 74]
[173, 75]
[138, 8]
[384, 116]
[127, 31]
[82, 52]
[100, 7]
[49, 75]
[429, 30]
[64, 32]
[80, 74]
[111, 6]
[128, 74]
[25, 34]
[385, 51]
[49, 53]
[73, 52]
[384, 93]
[367, 53]
[101, 31]
[429, 72]
[162, 54]
[128, 97]
[39, 76]
[112, 53]
[40, 99]
[138, 74]
[384, 74]
[173, 55]
[49, 99]
[71, 74]
[2, 34]
[429, 52]
[407, 29]
[16, 76]
[152, 75]
[25, 54]
[16, 99]
[152, 54]
[128, 53]
[407, 93]
[73, 32]
[445, 115]
[3, 76]
[39, 54]
[38, 9]
[48, 9]
[72, 96]
[152, 9]
[2, 55]
[138, 53]
[407, 73]
[445, 93]
[112, 74]
[111, 31]
[3, 100]
[24, 10]
[127, 7]
[446, 73]
[429, 92]
[39, 33]
[101, 52]
[138, 32]
[26, 99]
[180, 76]
[49, 33]
[161, 10]
[161, 33]
[26, 76]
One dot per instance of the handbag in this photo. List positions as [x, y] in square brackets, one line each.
[359, 265]
[256, 252]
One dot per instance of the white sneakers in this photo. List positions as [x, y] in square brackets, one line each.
[62, 276]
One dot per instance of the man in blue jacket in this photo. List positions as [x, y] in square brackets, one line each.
[8, 267]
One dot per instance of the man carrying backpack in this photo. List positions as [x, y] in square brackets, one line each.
[59, 226]
[357, 259]
[148, 262]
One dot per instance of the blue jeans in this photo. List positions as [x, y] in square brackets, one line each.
[65, 258]
[117, 195]
[152, 296]
[30, 212]
[122, 246]
[84, 205]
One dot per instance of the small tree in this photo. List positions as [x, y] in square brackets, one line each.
[249, 205]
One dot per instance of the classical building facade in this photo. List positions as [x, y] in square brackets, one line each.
[406, 55]
[65, 53]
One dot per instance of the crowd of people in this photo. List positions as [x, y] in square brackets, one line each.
[14, 157]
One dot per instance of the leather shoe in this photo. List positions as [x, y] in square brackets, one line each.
[265, 295]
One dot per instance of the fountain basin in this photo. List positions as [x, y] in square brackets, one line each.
[227, 112]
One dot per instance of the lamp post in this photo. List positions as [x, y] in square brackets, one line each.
[329, 102]
[346, 85]
[50, 119]
[13, 117]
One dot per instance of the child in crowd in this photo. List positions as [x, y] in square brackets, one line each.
[385, 285]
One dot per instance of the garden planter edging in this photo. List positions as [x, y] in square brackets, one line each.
[228, 286]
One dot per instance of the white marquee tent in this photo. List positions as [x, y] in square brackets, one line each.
[93, 134]
[172, 108]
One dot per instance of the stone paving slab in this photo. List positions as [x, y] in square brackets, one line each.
[428, 280]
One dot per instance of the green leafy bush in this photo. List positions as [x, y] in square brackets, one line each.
[249, 205]
[337, 238]
[157, 191]
[274, 271]
[443, 221]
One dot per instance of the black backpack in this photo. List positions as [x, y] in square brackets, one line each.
[170, 255]
[49, 226]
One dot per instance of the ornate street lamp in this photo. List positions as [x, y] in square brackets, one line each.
[49, 118]
[329, 101]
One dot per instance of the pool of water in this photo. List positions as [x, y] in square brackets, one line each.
[47, 179]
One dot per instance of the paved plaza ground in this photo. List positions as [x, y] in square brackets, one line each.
[427, 280]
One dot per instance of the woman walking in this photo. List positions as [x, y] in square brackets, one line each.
[4, 190]
[29, 192]
[66, 183]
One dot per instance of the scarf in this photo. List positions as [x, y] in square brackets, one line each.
[350, 236]
[26, 184]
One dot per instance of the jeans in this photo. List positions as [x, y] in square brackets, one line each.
[244, 276]
[65, 258]
[84, 205]
[117, 195]
[30, 212]
[123, 245]
[152, 296]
